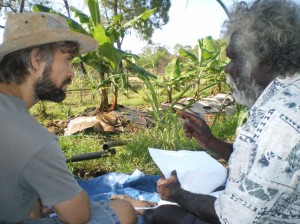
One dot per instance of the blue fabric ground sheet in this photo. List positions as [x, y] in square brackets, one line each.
[137, 185]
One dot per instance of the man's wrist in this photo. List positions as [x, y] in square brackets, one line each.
[178, 194]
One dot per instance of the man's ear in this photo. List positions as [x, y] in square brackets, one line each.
[265, 74]
[35, 58]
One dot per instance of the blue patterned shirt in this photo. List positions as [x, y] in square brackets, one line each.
[264, 169]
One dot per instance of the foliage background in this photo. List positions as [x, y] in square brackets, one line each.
[105, 74]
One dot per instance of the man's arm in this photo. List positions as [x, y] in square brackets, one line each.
[39, 211]
[75, 210]
[197, 128]
[200, 205]
[47, 174]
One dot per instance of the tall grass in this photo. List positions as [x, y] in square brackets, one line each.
[170, 137]
[167, 133]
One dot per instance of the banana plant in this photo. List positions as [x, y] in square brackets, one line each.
[107, 60]
[172, 78]
[205, 70]
[207, 67]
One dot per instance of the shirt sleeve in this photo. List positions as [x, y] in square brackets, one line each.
[47, 175]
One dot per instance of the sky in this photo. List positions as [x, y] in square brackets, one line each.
[189, 20]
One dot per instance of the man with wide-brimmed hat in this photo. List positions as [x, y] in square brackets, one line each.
[35, 64]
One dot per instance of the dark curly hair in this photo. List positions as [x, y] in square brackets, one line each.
[268, 31]
[14, 66]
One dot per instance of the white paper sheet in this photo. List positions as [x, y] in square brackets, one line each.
[197, 171]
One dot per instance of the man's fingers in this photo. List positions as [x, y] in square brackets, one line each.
[188, 131]
[187, 115]
[191, 118]
[196, 125]
[46, 211]
[183, 114]
[120, 196]
[174, 173]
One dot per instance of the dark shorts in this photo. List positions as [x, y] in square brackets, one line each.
[191, 219]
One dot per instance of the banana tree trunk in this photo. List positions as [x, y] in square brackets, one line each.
[104, 96]
[114, 101]
[169, 95]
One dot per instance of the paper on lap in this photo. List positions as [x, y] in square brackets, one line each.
[197, 171]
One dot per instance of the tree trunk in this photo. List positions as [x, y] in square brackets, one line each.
[104, 96]
[81, 65]
[104, 100]
[21, 10]
[198, 90]
[169, 95]
[114, 101]
[67, 8]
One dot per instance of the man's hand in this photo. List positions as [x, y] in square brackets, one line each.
[197, 128]
[133, 201]
[39, 211]
[167, 188]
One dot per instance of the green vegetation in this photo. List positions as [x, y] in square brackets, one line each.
[167, 134]
[160, 76]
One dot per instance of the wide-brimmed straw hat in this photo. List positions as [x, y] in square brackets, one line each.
[23, 30]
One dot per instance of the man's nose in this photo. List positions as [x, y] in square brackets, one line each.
[71, 72]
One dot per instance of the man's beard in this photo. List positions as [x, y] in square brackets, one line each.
[246, 93]
[45, 89]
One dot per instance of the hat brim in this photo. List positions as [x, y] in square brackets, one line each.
[86, 43]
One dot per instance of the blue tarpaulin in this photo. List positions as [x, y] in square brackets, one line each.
[137, 185]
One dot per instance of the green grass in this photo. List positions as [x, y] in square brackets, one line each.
[167, 134]
[133, 155]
